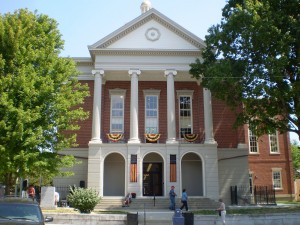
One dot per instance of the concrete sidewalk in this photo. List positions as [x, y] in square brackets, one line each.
[165, 217]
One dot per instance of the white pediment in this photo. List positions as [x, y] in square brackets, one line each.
[151, 31]
[152, 35]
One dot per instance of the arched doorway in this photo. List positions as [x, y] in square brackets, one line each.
[153, 165]
[192, 174]
[114, 175]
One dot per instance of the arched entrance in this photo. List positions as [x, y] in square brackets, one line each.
[114, 175]
[153, 165]
[192, 174]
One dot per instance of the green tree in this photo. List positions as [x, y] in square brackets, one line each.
[253, 58]
[296, 159]
[40, 98]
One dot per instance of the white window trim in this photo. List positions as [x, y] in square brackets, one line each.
[252, 153]
[277, 143]
[185, 93]
[152, 92]
[277, 170]
[117, 92]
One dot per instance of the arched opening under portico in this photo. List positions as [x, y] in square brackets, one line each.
[114, 175]
[153, 166]
[192, 174]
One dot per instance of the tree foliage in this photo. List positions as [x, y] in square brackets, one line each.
[253, 58]
[40, 97]
[296, 159]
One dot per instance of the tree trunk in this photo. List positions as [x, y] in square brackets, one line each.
[10, 181]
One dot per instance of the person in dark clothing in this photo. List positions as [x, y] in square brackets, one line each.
[172, 196]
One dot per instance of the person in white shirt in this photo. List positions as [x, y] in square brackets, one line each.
[222, 211]
[56, 198]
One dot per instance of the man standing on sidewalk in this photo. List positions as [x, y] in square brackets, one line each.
[172, 195]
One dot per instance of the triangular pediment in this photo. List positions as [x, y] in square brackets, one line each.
[152, 32]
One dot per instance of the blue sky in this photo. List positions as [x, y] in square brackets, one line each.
[84, 22]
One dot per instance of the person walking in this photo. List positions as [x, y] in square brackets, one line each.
[222, 211]
[184, 200]
[31, 192]
[172, 196]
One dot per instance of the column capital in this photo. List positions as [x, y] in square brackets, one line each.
[170, 71]
[101, 72]
[134, 71]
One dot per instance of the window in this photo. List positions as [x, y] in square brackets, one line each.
[117, 111]
[273, 140]
[253, 144]
[185, 112]
[251, 182]
[276, 176]
[151, 114]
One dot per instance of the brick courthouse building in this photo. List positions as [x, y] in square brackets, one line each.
[152, 126]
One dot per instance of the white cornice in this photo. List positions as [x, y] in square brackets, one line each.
[168, 52]
[83, 61]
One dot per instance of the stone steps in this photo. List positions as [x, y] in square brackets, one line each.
[110, 203]
[157, 203]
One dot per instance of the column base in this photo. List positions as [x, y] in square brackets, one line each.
[210, 141]
[172, 141]
[134, 141]
[96, 141]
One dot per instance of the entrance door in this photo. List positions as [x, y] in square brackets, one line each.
[152, 179]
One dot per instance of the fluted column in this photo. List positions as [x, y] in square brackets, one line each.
[96, 128]
[208, 118]
[134, 106]
[171, 106]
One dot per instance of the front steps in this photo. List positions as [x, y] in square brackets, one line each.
[110, 203]
[115, 203]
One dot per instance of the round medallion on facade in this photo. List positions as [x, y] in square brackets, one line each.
[152, 34]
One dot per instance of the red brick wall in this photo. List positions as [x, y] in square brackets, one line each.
[261, 164]
[84, 135]
[223, 117]
[223, 120]
[105, 117]
[198, 108]
[157, 85]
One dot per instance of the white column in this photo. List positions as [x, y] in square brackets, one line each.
[171, 106]
[134, 106]
[208, 118]
[96, 128]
